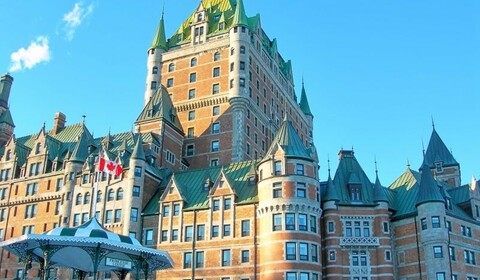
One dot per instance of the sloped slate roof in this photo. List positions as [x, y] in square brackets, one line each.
[437, 151]
[304, 106]
[6, 117]
[429, 191]
[349, 171]
[287, 138]
[160, 41]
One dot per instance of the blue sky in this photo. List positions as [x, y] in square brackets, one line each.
[375, 71]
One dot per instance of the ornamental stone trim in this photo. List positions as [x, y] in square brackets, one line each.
[360, 241]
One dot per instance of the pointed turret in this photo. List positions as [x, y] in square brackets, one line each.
[428, 190]
[138, 152]
[80, 152]
[438, 152]
[304, 106]
[289, 141]
[6, 82]
[379, 191]
[239, 18]
[331, 192]
[160, 41]
[107, 141]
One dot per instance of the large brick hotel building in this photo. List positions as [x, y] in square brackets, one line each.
[222, 173]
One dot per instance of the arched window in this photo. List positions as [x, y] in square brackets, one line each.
[120, 194]
[216, 56]
[193, 62]
[86, 200]
[38, 148]
[99, 196]
[199, 17]
[171, 67]
[8, 155]
[155, 70]
[78, 201]
[110, 195]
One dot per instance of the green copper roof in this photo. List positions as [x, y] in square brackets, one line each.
[239, 18]
[138, 152]
[287, 139]
[331, 192]
[379, 191]
[80, 152]
[304, 103]
[349, 172]
[437, 151]
[6, 117]
[429, 191]
[191, 184]
[405, 188]
[160, 107]
[160, 41]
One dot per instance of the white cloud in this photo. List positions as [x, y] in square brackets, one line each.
[75, 17]
[38, 51]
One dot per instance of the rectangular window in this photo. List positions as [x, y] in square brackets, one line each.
[134, 214]
[216, 72]
[215, 88]
[226, 230]
[437, 252]
[193, 77]
[277, 222]
[200, 232]
[290, 221]
[149, 237]
[166, 211]
[245, 256]
[187, 260]
[303, 251]
[164, 235]
[169, 82]
[215, 147]
[191, 93]
[300, 169]
[278, 168]
[448, 225]
[176, 209]
[226, 257]
[301, 190]
[199, 259]
[191, 115]
[331, 226]
[302, 222]
[469, 257]
[215, 231]
[435, 222]
[277, 190]
[118, 215]
[304, 276]
[174, 234]
[216, 204]
[313, 224]
[227, 204]
[216, 110]
[215, 128]
[423, 222]
[291, 276]
[245, 228]
[332, 256]
[290, 249]
[386, 228]
[314, 252]
[76, 220]
[451, 251]
[188, 233]
[136, 191]
[440, 275]
[109, 215]
[190, 132]
[138, 171]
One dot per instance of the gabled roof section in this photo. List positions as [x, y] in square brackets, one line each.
[160, 41]
[80, 152]
[349, 172]
[6, 117]
[239, 17]
[287, 139]
[160, 107]
[437, 151]
[404, 190]
[429, 191]
[304, 103]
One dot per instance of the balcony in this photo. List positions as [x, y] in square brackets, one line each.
[360, 241]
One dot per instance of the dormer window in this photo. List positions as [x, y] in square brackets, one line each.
[216, 18]
[221, 26]
[448, 203]
[439, 167]
[199, 17]
[38, 148]
[8, 155]
[278, 168]
[355, 193]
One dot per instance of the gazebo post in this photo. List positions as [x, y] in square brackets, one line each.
[95, 262]
[46, 261]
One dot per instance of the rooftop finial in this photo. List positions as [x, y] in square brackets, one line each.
[433, 123]
[302, 81]
[163, 8]
[423, 148]
[376, 167]
[83, 117]
[328, 163]
[408, 163]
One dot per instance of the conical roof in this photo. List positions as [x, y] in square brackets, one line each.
[331, 192]
[379, 192]
[428, 190]
[304, 106]
[289, 141]
[437, 151]
[239, 18]
[138, 152]
[160, 41]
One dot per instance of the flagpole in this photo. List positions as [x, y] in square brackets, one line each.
[95, 194]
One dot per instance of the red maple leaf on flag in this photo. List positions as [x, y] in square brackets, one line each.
[111, 166]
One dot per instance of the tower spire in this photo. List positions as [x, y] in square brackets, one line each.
[160, 41]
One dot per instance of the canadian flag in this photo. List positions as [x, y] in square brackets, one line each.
[110, 167]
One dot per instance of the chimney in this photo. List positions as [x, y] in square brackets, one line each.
[59, 123]
[5, 86]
